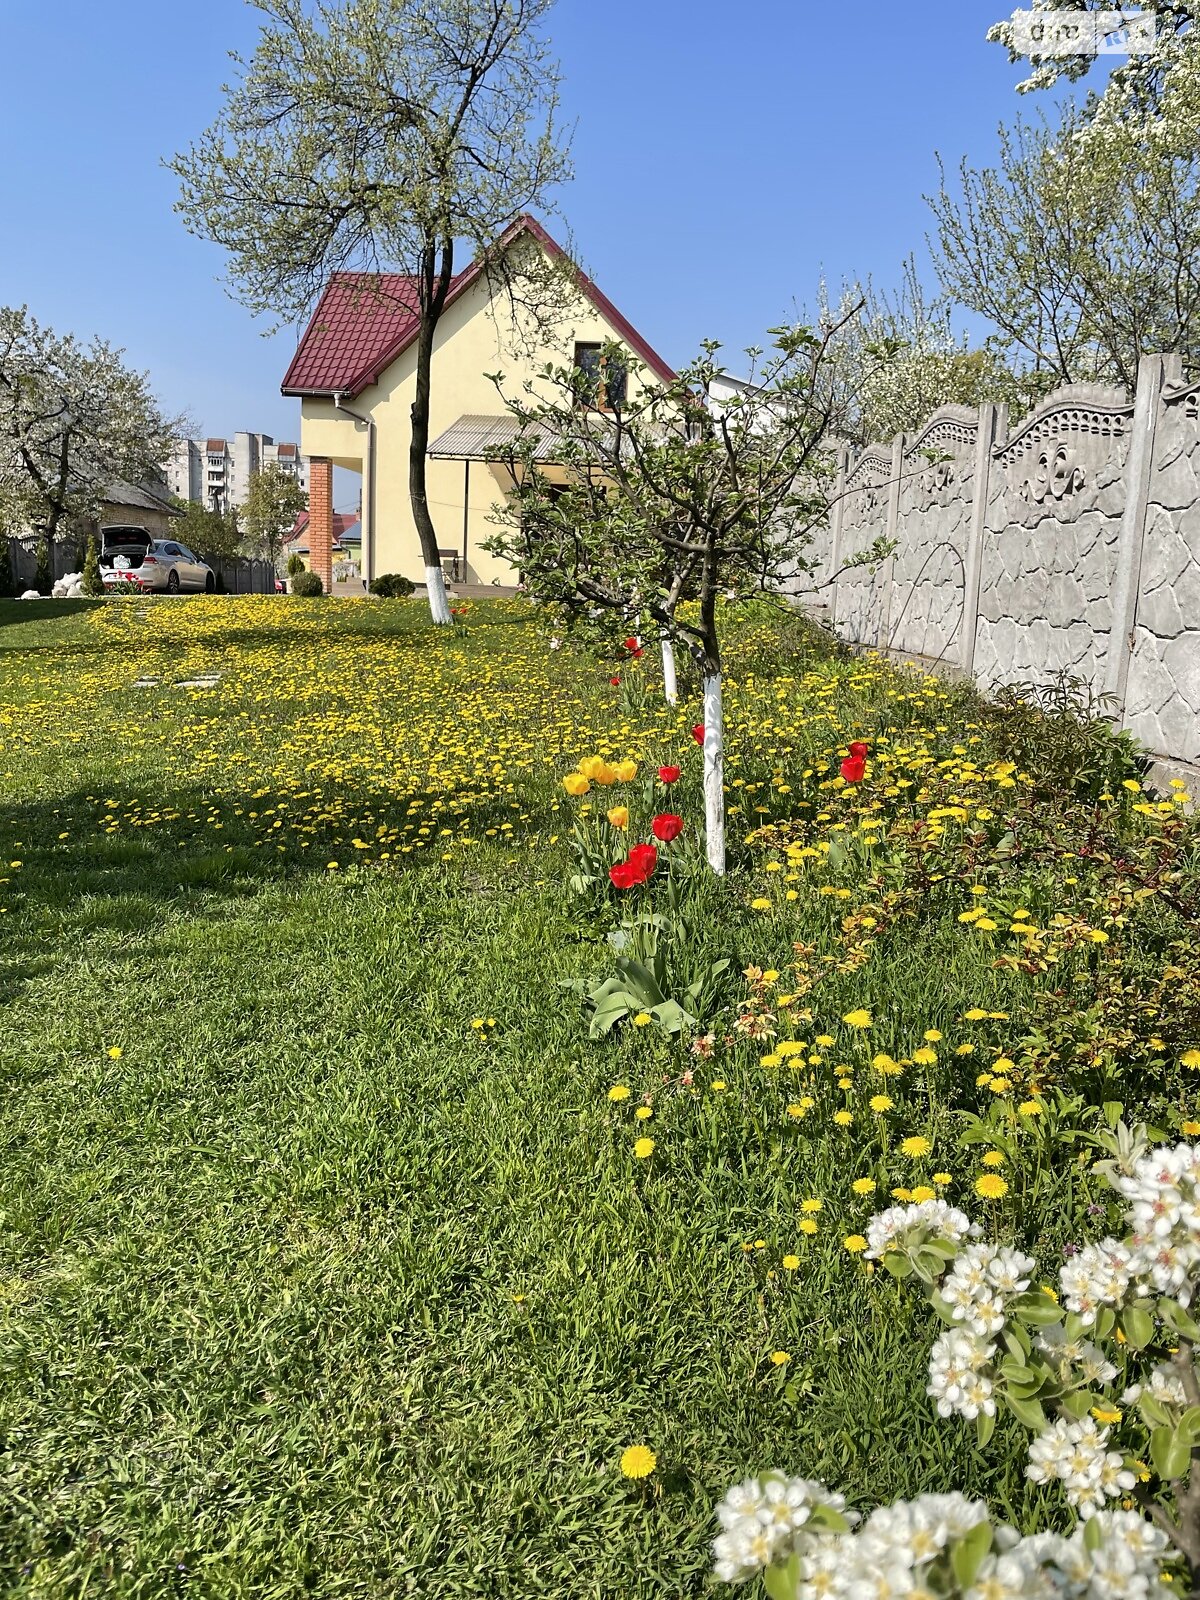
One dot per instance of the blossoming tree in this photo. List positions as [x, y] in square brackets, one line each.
[1116, 1348]
[635, 503]
[381, 134]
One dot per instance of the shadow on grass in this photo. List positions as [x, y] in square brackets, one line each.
[77, 879]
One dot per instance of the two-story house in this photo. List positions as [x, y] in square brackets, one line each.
[355, 376]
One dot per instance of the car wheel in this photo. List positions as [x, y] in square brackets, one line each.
[210, 583]
[172, 583]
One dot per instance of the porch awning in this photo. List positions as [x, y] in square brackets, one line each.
[474, 438]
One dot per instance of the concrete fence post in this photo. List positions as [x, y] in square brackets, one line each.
[884, 641]
[993, 430]
[1153, 373]
[835, 527]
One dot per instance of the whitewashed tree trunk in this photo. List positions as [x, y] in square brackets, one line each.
[435, 585]
[670, 685]
[714, 774]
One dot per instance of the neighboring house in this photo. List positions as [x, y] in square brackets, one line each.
[217, 472]
[297, 542]
[142, 505]
[355, 375]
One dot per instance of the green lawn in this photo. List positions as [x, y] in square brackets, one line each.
[310, 1286]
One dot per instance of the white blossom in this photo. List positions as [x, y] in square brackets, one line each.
[763, 1520]
[1099, 1275]
[959, 1381]
[1077, 1455]
[926, 1219]
[983, 1279]
[1164, 1385]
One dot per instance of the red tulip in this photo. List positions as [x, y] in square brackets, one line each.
[698, 733]
[859, 750]
[667, 826]
[853, 768]
[634, 648]
[616, 682]
[643, 858]
[669, 774]
[631, 643]
[623, 875]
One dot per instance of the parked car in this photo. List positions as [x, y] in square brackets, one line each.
[132, 555]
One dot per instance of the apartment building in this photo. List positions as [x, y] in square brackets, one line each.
[217, 472]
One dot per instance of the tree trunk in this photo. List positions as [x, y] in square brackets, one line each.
[670, 686]
[439, 607]
[714, 772]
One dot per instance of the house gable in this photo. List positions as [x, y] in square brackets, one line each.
[363, 323]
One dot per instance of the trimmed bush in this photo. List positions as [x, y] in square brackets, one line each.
[295, 566]
[93, 583]
[308, 584]
[391, 586]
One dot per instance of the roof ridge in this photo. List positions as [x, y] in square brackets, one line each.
[316, 372]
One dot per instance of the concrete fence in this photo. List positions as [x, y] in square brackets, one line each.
[1069, 544]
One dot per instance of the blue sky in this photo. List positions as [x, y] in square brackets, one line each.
[726, 155]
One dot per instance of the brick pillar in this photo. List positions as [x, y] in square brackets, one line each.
[320, 519]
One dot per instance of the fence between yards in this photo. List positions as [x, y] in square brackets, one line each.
[1068, 544]
[235, 574]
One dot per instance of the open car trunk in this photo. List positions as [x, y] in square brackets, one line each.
[123, 548]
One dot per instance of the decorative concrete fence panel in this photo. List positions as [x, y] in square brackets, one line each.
[860, 512]
[928, 577]
[1069, 545]
[1162, 702]
[1051, 529]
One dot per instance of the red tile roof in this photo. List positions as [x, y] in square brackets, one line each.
[363, 321]
[216, 447]
[286, 450]
[341, 521]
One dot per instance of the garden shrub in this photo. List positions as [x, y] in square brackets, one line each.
[93, 583]
[1061, 733]
[392, 586]
[43, 577]
[6, 572]
[295, 566]
[308, 584]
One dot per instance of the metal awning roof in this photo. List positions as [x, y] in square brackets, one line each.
[474, 438]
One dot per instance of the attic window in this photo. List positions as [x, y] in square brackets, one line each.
[600, 380]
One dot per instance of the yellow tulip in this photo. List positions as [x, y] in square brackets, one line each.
[619, 816]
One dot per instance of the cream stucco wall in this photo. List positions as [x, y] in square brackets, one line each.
[476, 335]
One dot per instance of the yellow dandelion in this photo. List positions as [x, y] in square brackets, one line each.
[855, 1243]
[943, 1178]
[925, 1056]
[1190, 1058]
[864, 1185]
[807, 1225]
[991, 1186]
[860, 1018]
[638, 1461]
[780, 1358]
[844, 1119]
[791, 1263]
[643, 1148]
[643, 1113]
[811, 1205]
[643, 1019]
[881, 1102]
[915, 1147]
[922, 1193]
[932, 1035]
[619, 1091]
